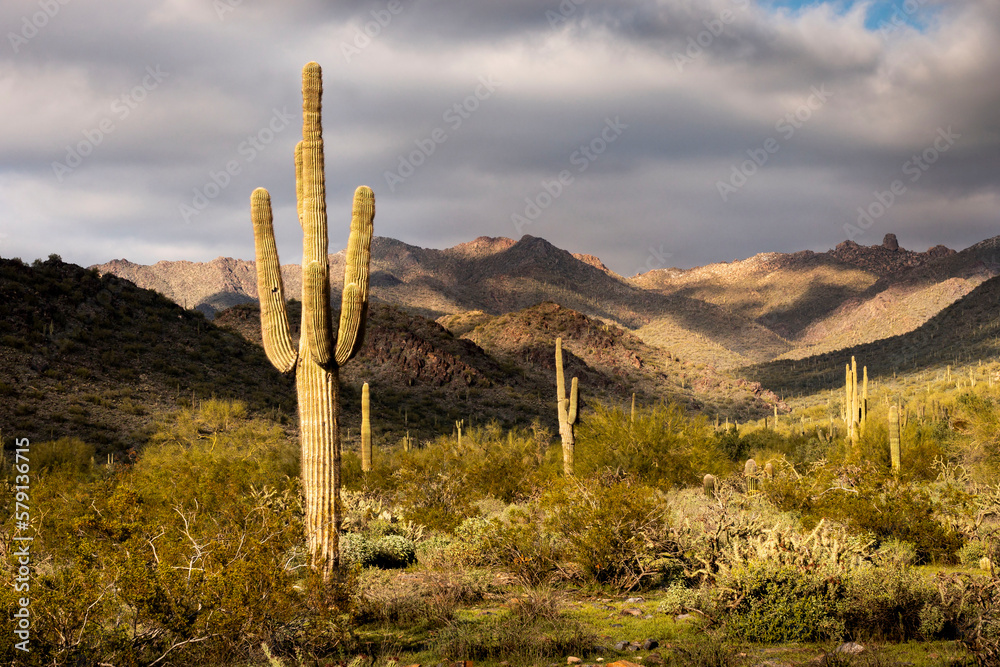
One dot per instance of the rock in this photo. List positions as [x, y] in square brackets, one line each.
[647, 617]
[631, 612]
[622, 645]
[573, 660]
[684, 617]
[889, 242]
[653, 659]
[850, 648]
[650, 644]
[622, 663]
[635, 600]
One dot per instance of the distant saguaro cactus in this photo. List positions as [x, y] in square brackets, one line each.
[567, 408]
[319, 356]
[366, 430]
[894, 439]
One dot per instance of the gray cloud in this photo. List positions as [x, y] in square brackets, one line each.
[694, 113]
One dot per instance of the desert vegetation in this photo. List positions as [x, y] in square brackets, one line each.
[193, 551]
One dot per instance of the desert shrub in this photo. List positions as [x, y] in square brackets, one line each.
[868, 502]
[896, 553]
[892, 603]
[729, 442]
[972, 603]
[386, 551]
[972, 552]
[612, 531]
[784, 604]
[519, 542]
[662, 446]
[69, 455]
[513, 637]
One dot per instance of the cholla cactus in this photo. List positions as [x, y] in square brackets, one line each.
[567, 408]
[319, 356]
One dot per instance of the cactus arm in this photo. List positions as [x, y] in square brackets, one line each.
[354, 301]
[316, 325]
[573, 396]
[270, 287]
[561, 403]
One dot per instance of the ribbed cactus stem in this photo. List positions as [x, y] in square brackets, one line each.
[894, 438]
[316, 365]
[708, 484]
[366, 430]
[567, 411]
[753, 481]
[864, 400]
[632, 419]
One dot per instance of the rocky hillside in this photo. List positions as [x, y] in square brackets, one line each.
[965, 332]
[723, 315]
[95, 357]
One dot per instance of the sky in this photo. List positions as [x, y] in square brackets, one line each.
[650, 133]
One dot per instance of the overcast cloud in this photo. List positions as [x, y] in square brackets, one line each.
[649, 133]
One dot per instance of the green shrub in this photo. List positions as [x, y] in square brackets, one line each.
[785, 604]
[661, 447]
[612, 531]
[71, 455]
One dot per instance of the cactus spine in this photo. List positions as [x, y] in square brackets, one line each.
[366, 431]
[894, 438]
[318, 358]
[567, 409]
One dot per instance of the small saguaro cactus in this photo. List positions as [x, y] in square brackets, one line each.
[894, 438]
[319, 356]
[708, 484]
[366, 430]
[459, 423]
[753, 481]
[567, 408]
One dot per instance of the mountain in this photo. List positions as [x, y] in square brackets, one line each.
[965, 332]
[723, 315]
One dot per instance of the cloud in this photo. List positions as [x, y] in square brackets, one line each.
[699, 84]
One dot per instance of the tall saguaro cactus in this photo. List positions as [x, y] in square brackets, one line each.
[366, 430]
[319, 356]
[567, 408]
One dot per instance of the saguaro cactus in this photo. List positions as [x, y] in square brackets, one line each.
[567, 408]
[753, 481]
[708, 485]
[366, 431]
[894, 438]
[319, 356]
